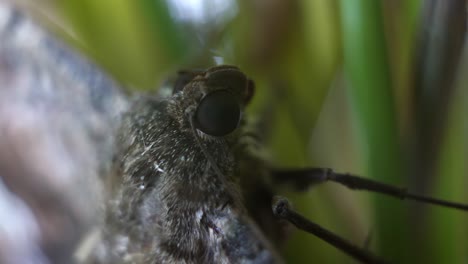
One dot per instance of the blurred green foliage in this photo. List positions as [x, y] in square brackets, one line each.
[339, 83]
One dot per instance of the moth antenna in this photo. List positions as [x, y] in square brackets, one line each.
[303, 178]
[282, 209]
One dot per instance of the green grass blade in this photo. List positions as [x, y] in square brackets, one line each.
[367, 69]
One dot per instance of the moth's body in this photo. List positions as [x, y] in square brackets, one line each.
[170, 204]
[181, 191]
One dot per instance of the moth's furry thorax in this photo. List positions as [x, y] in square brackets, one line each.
[168, 200]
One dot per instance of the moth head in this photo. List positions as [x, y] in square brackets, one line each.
[218, 97]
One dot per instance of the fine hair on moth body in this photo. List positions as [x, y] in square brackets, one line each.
[187, 181]
[178, 196]
[193, 188]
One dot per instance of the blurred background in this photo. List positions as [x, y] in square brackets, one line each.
[374, 88]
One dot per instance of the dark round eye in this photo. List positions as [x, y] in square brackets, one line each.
[218, 113]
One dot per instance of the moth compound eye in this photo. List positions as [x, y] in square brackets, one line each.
[218, 113]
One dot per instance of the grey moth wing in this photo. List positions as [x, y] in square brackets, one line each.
[58, 117]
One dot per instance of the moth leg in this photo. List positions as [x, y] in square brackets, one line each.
[301, 179]
[282, 209]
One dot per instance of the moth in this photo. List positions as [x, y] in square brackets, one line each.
[145, 178]
[193, 187]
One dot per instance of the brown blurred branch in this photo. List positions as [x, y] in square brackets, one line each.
[438, 53]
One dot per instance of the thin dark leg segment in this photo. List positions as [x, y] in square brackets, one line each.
[301, 179]
[282, 209]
